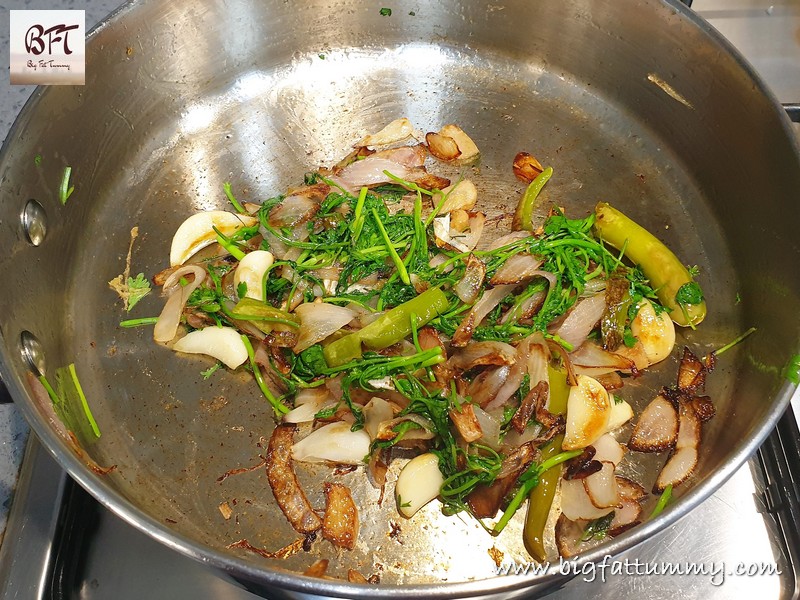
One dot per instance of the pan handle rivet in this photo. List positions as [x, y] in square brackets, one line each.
[32, 353]
[34, 222]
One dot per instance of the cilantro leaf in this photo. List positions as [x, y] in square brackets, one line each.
[689, 293]
[138, 288]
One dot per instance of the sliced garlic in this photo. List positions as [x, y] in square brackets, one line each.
[462, 195]
[335, 443]
[396, 131]
[197, 232]
[250, 271]
[469, 151]
[223, 343]
[588, 413]
[655, 332]
[418, 483]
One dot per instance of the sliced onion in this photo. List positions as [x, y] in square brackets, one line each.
[425, 431]
[580, 321]
[590, 359]
[486, 304]
[308, 402]
[518, 268]
[293, 211]
[318, 320]
[466, 422]
[509, 238]
[490, 423]
[402, 163]
[335, 443]
[476, 222]
[468, 288]
[167, 325]
[526, 309]
[483, 353]
[376, 411]
[485, 386]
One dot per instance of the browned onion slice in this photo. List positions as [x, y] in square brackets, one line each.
[682, 462]
[691, 372]
[466, 422]
[657, 428]
[590, 359]
[167, 325]
[476, 354]
[518, 268]
[340, 521]
[280, 472]
[581, 319]
[299, 207]
[487, 302]
[468, 288]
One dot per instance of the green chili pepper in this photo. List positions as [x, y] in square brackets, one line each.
[541, 497]
[263, 316]
[667, 275]
[390, 328]
[523, 217]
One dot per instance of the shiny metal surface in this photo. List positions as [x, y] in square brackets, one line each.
[121, 562]
[175, 105]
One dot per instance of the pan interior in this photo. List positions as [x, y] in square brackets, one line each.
[172, 434]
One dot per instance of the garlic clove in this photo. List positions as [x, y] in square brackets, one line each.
[197, 232]
[223, 343]
[418, 483]
[335, 443]
[251, 270]
[655, 332]
[588, 413]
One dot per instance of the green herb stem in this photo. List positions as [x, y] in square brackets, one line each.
[530, 479]
[401, 268]
[663, 500]
[64, 189]
[278, 406]
[739, 339]
[229, 245]
[236, 205]
[139, 322]
[84, 403]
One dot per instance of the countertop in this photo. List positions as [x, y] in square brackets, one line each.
[768, 33]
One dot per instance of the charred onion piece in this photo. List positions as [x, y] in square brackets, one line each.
[691, 373]
[317, 569]
[657, 428]
[283, 481]
[466, 422]
[340, 522]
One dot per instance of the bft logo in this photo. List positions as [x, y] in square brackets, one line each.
[35, 38]
[48, 47]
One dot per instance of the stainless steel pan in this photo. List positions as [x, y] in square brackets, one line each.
[638, 103]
